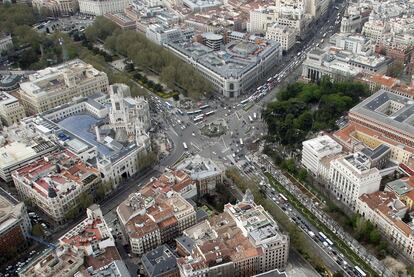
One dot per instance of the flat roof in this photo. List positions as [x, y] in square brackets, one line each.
[390, 109]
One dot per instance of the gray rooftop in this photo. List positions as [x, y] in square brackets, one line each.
[381, 108]
[159, 261]
[233, 60]
[186, 242]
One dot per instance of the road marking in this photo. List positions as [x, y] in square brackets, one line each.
[174, 132]
[195, 145]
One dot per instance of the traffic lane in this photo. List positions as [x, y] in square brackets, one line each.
[292, 212]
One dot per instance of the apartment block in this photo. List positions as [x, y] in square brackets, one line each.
[154, 216]
[351, 176]
[6, 43]
[20, 146]
[87, 250]
[284, 35]
[54, 183]
[314, 150]
[385, 210]
[15, 227]
[11, 111]
[57, 7]
[204, 172]
[242, 241]
[100, 8]
[55, 86]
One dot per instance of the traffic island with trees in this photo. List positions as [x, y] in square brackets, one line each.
[303, 109]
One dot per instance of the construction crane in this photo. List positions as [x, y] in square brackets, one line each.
[48, 244]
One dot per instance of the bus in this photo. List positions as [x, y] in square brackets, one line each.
[209, 113]
[185, 146]
[359, 271]
[194, 112]
[168, 104]
[244, 101]
[323, 235]
[241, 141]
[248, 159]
[283, 197]
[180, 112]
[198, 118]
[329, 242]
[204, 107]
[250, 118]
[269, 80]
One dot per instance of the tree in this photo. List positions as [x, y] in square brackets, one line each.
[374, 236]
[38, 231]
[337, 274]
[395, 70]
[72, 213]
[85, 200]
[407, 218]
[302, 175]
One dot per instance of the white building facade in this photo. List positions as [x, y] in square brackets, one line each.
[99, 8]
[351, 176]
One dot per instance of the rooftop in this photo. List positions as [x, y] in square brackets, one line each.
[159, 261]
[199, 167]
[388, 205]
[390, 109]
[10, 212]
[233, 60]
[54, 79]
[323, 144]
[58, 174]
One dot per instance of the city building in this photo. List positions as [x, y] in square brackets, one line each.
[15, 227]
[122, 20]
[87, 250]
[55, 183]
[11, 111]
[93, 238]
[106, 131]
[282, 34]
[201, 5]
[205, 172]
[6, 43]
[153, 216]
[55, 86]
[354, 43]
[291, 16]
[314, 150]
[116, 268]
[385, 210]
[177, 180]
[242, 241]
[160, 262]
[9, 82]
[63, 261]
[351, 176]
[403, 189]
[19, 147]
[376, 82]
[238, 66]
[57, 7]
[100, 8]
[354, 136]
[160, 34]
[387, 113]
[340, 64]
